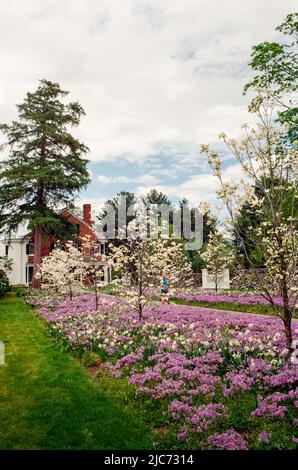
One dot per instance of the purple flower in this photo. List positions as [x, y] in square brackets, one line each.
[197, 355]
[229, 440]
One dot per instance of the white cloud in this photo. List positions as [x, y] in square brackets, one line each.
[97, 203]
[199, 187]
[103, 179]
[150, 75]
[143, 179]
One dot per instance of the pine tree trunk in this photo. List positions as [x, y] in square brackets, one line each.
[36, 282]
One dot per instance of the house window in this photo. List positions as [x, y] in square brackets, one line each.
[95, 249]
[29, 274]
[6, 250]
[30, 249]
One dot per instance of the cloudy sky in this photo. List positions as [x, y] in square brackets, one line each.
[156, 78]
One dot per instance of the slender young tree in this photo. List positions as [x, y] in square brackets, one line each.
[44, 166]
[141, 261]
[218, 255]
[94, 269]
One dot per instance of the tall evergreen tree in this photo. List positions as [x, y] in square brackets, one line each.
[44, 167]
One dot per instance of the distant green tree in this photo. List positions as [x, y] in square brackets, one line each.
[44, 168]
[123, 197]
[249, 219]
[156, 197]
[195, 256]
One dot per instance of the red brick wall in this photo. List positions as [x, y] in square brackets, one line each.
[84, 230]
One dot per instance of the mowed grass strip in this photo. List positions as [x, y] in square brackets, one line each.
[47, 399]
[230, 306]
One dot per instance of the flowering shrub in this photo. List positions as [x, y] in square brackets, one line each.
[5, 268]
[194, 365]
[4, 283]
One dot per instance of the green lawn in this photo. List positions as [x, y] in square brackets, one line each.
[47, 399]
[259, 309]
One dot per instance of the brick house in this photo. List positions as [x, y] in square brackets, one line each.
[21, 247]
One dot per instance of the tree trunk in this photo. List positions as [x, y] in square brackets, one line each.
[140, 311]
[287, 313]
[287, 320]
[140, 306]
[36, 282]
[96, 296]
[38, 228]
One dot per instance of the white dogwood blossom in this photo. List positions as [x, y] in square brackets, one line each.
[141, 263]
[63, 270]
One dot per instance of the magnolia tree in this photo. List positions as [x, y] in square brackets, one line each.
[63, 270]
[269, 163]
[218, 255]
[142, 263]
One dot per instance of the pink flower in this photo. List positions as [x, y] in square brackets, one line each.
[229, 440]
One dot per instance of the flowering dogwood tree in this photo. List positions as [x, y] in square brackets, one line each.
[270, 163]
[217, 256]
[63, 270]
[142, 263]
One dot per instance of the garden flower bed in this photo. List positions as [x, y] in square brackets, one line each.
[225, 296]
[219, 380]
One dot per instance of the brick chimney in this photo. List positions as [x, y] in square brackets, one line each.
[87, 213]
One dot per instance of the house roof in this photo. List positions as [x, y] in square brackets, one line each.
[84, 222]
[79, 218]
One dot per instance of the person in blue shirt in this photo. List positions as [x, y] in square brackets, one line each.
[164, 289]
